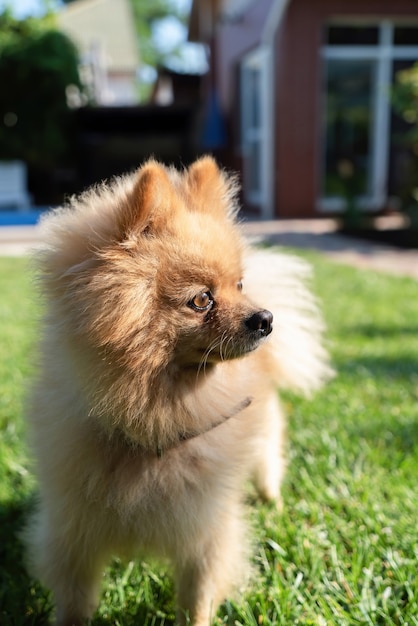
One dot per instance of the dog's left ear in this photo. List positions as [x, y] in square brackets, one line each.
[211, 189]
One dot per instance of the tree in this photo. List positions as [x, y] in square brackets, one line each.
[148, 16]
[37, 64]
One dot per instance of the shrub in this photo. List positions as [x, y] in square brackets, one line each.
[37, 66]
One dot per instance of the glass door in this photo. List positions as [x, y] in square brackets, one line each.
[349, 127]
[403, 168]
[252, 131]
[256, 130]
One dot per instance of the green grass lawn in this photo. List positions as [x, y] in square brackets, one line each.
[344, 551]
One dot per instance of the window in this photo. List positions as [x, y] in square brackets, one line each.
[360, 63]
[351, 35]
[406, 36]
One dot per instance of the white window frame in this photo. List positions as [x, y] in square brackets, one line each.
[384, 53]
[259, 59]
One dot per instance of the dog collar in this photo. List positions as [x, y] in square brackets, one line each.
[193, 434]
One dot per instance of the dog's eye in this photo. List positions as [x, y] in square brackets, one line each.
[202, 301]
[239, 285]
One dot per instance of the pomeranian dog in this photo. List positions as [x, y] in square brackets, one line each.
[156, 398]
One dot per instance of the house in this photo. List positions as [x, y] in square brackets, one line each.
[303, 87]
[104, 32]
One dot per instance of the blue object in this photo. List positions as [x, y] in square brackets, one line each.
[21, 218]
[214, 131]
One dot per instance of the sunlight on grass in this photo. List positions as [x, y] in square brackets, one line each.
[345, 549]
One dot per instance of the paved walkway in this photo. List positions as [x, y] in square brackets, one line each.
[320, 235]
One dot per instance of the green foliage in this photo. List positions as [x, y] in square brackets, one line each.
[147, 15]
[405, 95]
[37, 64]
[405, 103]
[344, 550]
[153, 51]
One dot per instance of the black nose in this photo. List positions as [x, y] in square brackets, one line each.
[261, 321]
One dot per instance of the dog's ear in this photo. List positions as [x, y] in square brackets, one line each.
[150, 199]
[211, 190]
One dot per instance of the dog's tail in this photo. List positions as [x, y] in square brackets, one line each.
[280, 283]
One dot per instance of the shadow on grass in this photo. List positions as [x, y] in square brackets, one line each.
[390, 365]
[391, 368]
[374, 331]
[22, 601]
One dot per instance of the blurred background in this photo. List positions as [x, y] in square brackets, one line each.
[313, 102]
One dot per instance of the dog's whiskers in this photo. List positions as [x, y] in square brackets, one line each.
[229, 343]
[203, 361]
[221, 344]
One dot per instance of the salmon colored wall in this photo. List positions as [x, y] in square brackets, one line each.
[234, 39]
[297, 100]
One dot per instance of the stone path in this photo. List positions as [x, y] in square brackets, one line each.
[322, 235]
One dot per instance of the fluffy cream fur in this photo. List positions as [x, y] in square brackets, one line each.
[153, 407]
